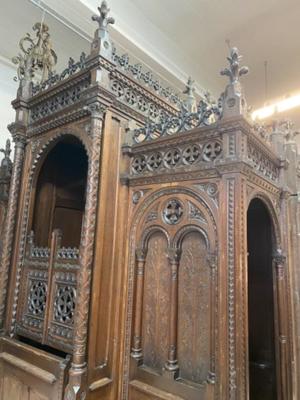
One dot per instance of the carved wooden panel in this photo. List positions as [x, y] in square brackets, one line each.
[194, 309]
[175, 298]
[156, 303]
[28, 373]
[48, 295]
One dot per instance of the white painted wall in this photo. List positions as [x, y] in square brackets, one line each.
[8, 91]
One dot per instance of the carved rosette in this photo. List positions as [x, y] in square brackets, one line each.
[11, 217]
[77, 374]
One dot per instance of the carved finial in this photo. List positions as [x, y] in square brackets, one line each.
[103, 19]
[37, 59]
[234, 71]
[233, 101]
[7, 149]
[190, 104]
[101, 44]
[189, 87]
[6, 161]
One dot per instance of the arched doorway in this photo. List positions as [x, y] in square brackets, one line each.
[60, 194]
[261, 303]
[48, 289]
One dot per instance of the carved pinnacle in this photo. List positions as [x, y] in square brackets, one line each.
[103, 19]
[234, 71]
[7, 149]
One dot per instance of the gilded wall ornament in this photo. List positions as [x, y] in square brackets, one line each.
[38, 58]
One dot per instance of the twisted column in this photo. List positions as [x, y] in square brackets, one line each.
[11, 218]
[77, 374]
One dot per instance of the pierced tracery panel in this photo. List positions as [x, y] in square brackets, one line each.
[37, 297]
[64, 304]
[194, 309]
[48, 296]
[156, 303]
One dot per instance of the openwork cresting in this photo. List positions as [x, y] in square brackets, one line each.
[54, 78]
[146, 78]
[206, 114]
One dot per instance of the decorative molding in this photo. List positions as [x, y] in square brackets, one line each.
[231, 288]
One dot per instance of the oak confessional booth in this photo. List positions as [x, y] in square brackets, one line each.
[150, 247]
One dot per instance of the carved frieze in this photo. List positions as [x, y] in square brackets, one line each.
[262, 164]
[176, 157]
[58, 101]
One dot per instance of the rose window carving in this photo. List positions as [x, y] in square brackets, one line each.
[191, 154]
[142, 104]
[211, 151]
[139, 164]
[153, 111]
[130, 97]
[173, 212]
[117, 88]
[64, 305]
[172, 158]
[154, 161]
[37, 298]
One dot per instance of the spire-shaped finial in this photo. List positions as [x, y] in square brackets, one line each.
[234, 71]
[233, 100]
[189, 90]
[103, 19]
[101, 44]
[7, 149]
[6, 161]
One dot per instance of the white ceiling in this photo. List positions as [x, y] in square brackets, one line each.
[178, 39]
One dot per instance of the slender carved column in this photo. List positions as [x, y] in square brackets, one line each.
[11, 217]
[136, 352]
[212, 262]
[280, 261]
[77, 374]
[172, 363]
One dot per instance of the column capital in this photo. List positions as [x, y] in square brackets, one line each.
[96, 109]
[173, 255]
[279, 258]
[140, 254]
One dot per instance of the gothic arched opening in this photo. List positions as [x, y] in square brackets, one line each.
[60, 194]
[261, 303]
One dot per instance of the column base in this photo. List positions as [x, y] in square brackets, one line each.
[77, 385]
[171, 369]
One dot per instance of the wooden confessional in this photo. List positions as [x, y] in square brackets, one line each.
[150, 246]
